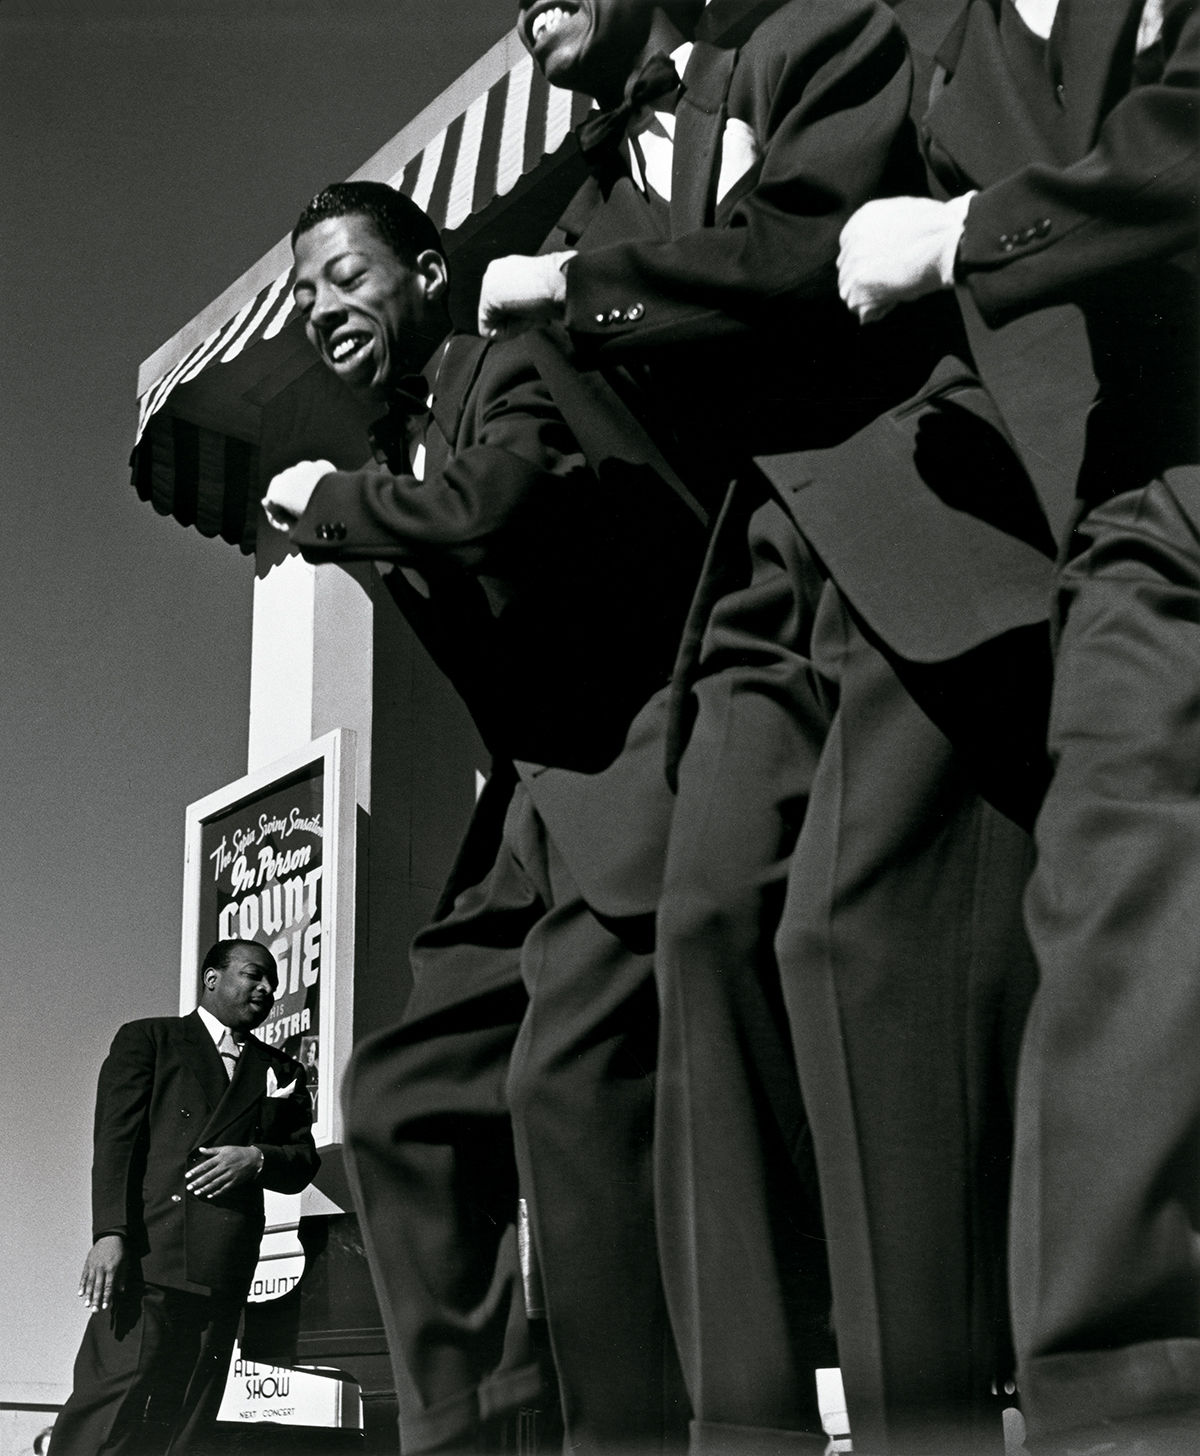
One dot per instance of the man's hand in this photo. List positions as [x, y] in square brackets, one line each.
[224, 1168]
[521, 292]
[288, 494]
[103, 1272]
[896, 249]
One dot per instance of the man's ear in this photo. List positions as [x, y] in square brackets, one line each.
[434, 274]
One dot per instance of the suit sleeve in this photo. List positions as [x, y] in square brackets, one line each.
[825, 85]
[290, 1161]
[1045, 234]
[121, 1128]
[469, 512]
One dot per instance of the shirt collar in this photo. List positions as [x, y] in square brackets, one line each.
[680, 56]
[661, 117]
[216, 1029]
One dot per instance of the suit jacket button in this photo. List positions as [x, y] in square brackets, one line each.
[634, 312]
[601, 318]
[1043, 227]
[615, 315]
[332, 531]
[176, 1197]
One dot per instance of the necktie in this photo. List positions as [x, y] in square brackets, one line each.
[230, 1050]
[601, 134]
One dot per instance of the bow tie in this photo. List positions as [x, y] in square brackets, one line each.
[409, 396]
[408, 399]
[601, 134]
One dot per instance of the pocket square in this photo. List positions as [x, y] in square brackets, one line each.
[273, 1087]
[739, 152]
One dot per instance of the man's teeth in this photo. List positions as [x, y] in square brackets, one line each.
[345, 347]
[548, 20]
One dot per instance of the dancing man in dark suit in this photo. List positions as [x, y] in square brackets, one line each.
[194, 1118]
[1062, 141]
[544, 553]
[841, 956]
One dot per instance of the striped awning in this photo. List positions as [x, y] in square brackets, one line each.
[196, 455]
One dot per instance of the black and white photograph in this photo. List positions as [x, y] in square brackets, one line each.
[601, 752]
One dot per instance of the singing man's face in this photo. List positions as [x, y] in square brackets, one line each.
[366, 313]
[585, 45]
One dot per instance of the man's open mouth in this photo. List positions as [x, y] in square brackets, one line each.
[546, 22]
[347, 346]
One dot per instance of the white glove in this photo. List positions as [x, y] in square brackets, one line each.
[895, 249]
[520, 291]
[288, 494]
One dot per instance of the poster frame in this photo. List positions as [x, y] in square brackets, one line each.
[335, 752]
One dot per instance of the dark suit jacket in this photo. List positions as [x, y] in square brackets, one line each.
[925, 519]
[939, 521]
[163, 1093]
[1077, 261]
[732, 306]
[552, 589]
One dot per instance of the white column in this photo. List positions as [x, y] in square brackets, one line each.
[311, 657]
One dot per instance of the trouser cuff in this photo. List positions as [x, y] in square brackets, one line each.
[711, 1439]
[461, 1424]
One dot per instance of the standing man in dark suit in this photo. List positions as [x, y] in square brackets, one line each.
[702, 257]
[549, 581]
[1063, 143]
[194, 1118]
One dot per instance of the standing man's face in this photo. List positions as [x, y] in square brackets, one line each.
[367, 314]
[586, 45]
[241, 995]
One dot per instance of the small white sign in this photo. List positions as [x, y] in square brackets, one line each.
[283, 1397]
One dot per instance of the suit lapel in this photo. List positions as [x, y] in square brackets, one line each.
[455, 376]
[1088, 37]
[699, 126]
[246, 1088]
[964, 117]
[203, 1059]
[1084, 43]
[580, 211]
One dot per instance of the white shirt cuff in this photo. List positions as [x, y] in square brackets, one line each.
[956, 222]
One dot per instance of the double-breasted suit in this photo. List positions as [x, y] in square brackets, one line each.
[546, 559]
[840, 946]
[163, 1349]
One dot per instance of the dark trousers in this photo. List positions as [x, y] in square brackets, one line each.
[843, 971]
[1106, 1198]
[524, 1067]
[743, 1248]
[149, 1375]
[907, 976]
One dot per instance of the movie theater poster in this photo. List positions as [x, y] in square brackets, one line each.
[270, 858]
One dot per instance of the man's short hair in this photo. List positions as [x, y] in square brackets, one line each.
[400, 222]
[220, 953]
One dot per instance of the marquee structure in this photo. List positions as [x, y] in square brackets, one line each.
[492, 160]
[498, 137]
